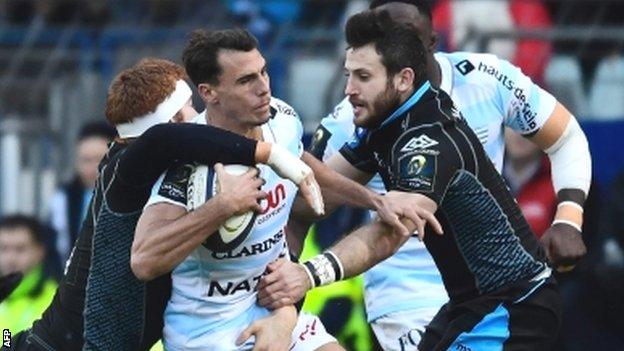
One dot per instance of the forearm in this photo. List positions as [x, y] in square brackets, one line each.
[296, 232]
[367, 246]
[152, 153]
[161, 244]
[339, 190]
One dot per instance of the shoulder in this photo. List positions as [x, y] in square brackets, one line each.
[280, 109]
[479, 68]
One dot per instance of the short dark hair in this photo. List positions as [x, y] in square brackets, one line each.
[423, 5]
[398, 44]
[200, 53]
[31, 224]
[99, 129]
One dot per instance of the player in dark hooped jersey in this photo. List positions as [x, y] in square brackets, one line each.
[100, 305]
[502, 295]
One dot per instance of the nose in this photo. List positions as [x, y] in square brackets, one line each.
[350, 88]
[264, 86]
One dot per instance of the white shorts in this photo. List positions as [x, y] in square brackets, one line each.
[308, 335]
[402, 330]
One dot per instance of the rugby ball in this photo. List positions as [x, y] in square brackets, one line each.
[203, 185]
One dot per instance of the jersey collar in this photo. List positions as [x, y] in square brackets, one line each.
[407, 104]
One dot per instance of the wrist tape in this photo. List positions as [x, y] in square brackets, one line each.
[324, 269]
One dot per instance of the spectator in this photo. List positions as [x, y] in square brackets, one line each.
[527, 172]
[458, 21]
[69, 204]
[22, 250]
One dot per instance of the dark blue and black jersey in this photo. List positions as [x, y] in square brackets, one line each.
[99, 304]
[427, 147]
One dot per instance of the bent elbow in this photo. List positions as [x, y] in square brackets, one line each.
[141, 268]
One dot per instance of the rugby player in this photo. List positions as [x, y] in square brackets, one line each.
[213, 297]
[492, 266]
[490, 93]
[99, 303]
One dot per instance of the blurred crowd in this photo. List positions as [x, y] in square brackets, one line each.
[587, 76]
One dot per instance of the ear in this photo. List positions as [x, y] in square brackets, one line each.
[404, 80]
[208, 93]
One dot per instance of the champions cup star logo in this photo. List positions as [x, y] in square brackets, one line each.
[416, 165]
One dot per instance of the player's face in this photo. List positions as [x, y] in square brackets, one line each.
[243, 93]
[186, 113]
[20, 253]
[369, 89]
[88, 156]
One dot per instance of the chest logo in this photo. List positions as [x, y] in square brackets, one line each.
[419, 143]
[465, 67]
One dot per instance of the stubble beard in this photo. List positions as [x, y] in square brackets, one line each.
[384, 104]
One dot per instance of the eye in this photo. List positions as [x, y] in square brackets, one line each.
[364, 77]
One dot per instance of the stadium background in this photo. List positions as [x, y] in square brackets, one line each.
[57, 58]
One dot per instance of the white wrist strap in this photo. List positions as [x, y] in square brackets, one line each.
[571, 203]
[287, 165]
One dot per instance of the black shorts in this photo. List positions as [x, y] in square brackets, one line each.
[495, 323]
[27, 341]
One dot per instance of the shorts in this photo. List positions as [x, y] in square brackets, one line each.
[402, 330]
[495, 323]
[27, 341]
[308, 334]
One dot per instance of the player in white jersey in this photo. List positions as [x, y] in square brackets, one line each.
[405, 291]
[213, 300]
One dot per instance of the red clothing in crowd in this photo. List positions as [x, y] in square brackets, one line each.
[537, 200]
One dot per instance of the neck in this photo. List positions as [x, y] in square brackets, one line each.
[434, 73]
[405, 96]
[217, 119]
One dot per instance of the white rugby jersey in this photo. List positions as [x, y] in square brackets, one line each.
[216, 292]
[491, 93]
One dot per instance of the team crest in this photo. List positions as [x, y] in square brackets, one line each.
[417, 171]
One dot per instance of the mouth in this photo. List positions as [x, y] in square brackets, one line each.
[358, 106]
[264, 105]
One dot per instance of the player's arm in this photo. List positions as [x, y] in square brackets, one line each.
[273, 332]
[355, 253]
[146, 158]
[535, 113]
[426, 177]
[166, 234]
[563, 140]
[347, 189]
